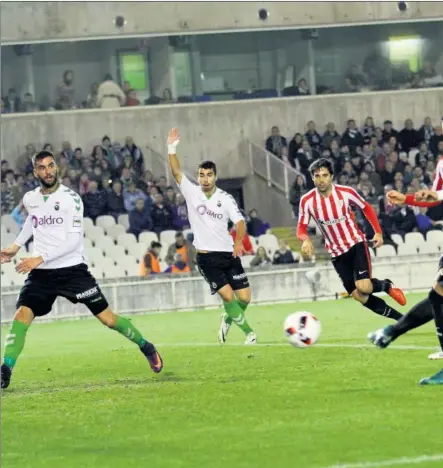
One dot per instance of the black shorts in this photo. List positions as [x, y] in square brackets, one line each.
[353, 265]
[440, 272]
[75, 283]
[220, 269]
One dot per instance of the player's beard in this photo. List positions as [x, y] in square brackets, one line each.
[49, 185]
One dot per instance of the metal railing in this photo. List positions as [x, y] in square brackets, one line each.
[279, 174]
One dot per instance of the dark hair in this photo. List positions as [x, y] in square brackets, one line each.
[108, 77]
[208, 165]
[170, 187]
[105, 138]
[41, 155]
[321, 163]
[155, 244]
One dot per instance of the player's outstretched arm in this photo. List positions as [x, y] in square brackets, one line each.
[425, 198]
[173, 141]
[25, 234]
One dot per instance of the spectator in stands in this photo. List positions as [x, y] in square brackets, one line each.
[385, 224]
[408, 136]
[9, 178]
[294, 146]
[261, 258]
[132, 99]
[178, 265]
[153, 192]
[388, 130]
[19, 214]
[305, 157]
[180, 214]
[126, 88]
[4, 167]
[398, 165]
[368, 129]
[150, 264]
[167, 96]
[115, 201]
[403, 220]
[355, 80]
[24, 161]
[76, 162]
[435, 140]
[255, 226]
[161, 216]
[352, 137]
[135, 152]
[65, 92]
[91, 100]
[283, 255]
[66, 151]
[169, 196]
[109, 94]
[19, 189]
[423, 155]
[31, 182]
[3, 109]
[29, 104]
[313, 136]
[276, 142]
[12, 102]
[185, 249]
[329, 136]
[126, 177]
[302, 88]
[247, 246]
[140, 218]
[63, 167]
[147, 182]
[298, 189]
[426, 131]
[130, 196]
[94, 201]
[7, 198]
[387, 174]
[162, 184]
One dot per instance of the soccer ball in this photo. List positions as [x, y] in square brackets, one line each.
[302, 329]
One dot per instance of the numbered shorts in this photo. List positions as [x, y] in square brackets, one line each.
[75, 283]
[353, 265]
[220, 269]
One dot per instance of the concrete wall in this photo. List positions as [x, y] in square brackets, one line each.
[214, 130]
[42, 21]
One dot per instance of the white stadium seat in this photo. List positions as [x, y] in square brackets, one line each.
[87, 223]
[386, 251]
[406, 249]
[105, 221]
[94, 255]
[95, 233]
[167, 237]
[123, 219]
[429, 247]
[7, 239]
[414, 238]
[269, 242]
[138, 250]
[8, 222]
[96, 272]
[186, 232]
[106, 263]
[87, 243]
[126, 261]
[397, 238]
[113, 272]
[436, 237]
[114, 231]
[126, 240]
[147, 237]
[115, 251]
[6, 280]
[105, 243]
[132, 270]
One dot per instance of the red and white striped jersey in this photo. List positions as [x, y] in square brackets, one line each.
[438, 181]
[334, 217]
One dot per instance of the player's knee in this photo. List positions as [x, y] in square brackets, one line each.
[244, 295]
[364, 287]
[107, 318]
[226, 293]
[359, 296]
[24, 314]
[436, 293]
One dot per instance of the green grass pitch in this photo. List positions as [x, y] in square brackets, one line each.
[83, 397]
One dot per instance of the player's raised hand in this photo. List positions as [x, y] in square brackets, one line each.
[395, 198]
[377, 240]
[173, 140]
[307, 248]
[28, 264]
[6, 255]
[426, 195]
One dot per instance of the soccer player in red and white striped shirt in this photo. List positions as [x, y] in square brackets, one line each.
[330, 206]
[431, 306]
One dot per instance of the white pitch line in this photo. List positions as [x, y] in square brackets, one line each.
[320, 345]
[398, 461]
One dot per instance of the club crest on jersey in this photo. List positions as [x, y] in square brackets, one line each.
[57, 206]
[219, 204]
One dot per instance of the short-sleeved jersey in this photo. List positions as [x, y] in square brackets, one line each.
[56, 219]
[334, 217]
[209, 217]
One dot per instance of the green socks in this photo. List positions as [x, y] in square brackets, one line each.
[235, 310]
[15, 341]
[125, 327]
[243, 305]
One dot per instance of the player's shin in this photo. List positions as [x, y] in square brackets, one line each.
[125, 327]
[235, 313]
[437, 307]
[379, 306]
[15, 342]
[243, 305]
[420, 314]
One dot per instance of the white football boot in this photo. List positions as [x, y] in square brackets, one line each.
[224, 329]
[251, 338]
[436, 356]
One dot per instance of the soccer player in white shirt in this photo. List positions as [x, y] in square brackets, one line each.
[218, 260]
[57, 266]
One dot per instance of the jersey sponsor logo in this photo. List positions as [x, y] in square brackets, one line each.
[33, 206]
[46, 221]
[202, 210]
[90, 292]
[333, 221]
[77, 221]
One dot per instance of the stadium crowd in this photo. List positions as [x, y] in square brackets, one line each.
[373, 160]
